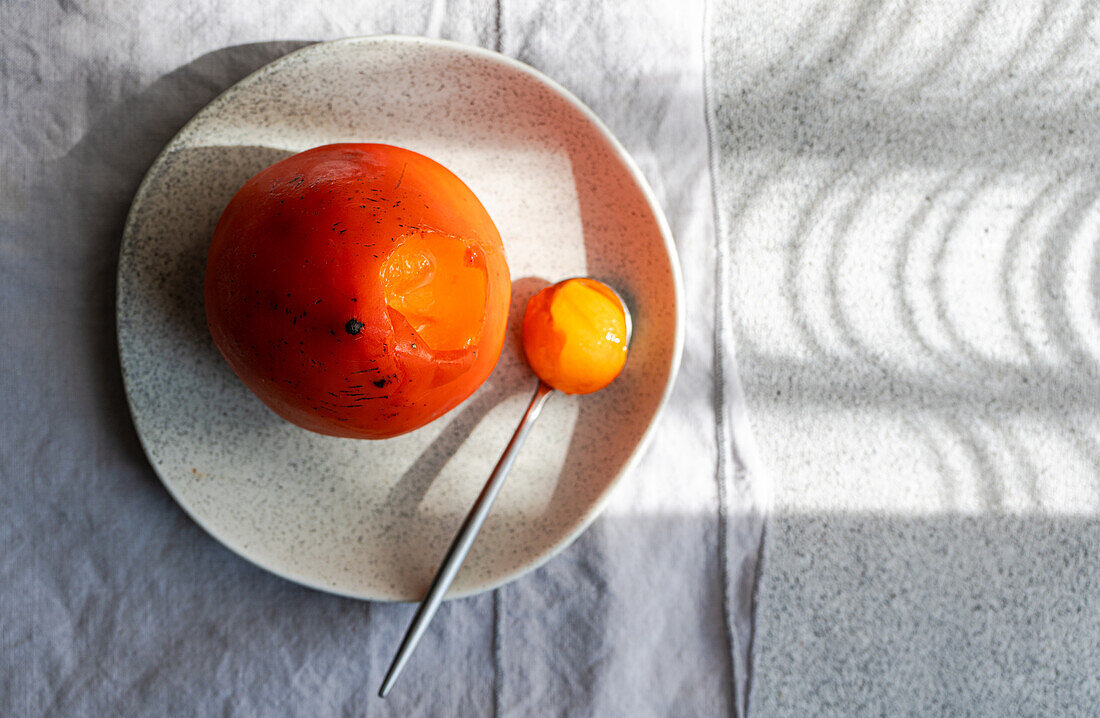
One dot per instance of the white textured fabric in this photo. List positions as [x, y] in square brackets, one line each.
[909, 198]
[113, 603]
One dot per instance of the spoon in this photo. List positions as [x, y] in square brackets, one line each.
[452, 562]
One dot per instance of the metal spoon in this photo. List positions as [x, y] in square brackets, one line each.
[452, 562]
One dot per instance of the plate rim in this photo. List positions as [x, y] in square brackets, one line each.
[597, 507]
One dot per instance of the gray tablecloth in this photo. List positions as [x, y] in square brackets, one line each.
[112, 602]
[904, 261]
[908, 196]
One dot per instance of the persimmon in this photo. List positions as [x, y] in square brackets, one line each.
[575, 335]
[360, 290]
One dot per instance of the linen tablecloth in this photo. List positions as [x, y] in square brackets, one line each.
[893, 207]
[908, 200]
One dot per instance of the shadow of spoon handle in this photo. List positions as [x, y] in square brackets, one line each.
[445, 576]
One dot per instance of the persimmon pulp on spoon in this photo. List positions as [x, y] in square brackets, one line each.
[575, 335]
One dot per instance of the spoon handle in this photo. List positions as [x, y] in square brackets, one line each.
[464, 540]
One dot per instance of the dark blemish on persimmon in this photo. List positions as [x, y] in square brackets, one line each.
[353, 326]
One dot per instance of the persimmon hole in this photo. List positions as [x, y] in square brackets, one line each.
[439, 284]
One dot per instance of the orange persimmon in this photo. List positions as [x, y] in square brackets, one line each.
[575, 334]
[360, 290]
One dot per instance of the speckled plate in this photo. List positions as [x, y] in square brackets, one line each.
[372, 519]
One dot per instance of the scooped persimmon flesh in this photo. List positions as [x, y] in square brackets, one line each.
[575, 335]
[360, 290]
[439, 287]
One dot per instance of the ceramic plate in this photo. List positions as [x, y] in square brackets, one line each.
[372, 519]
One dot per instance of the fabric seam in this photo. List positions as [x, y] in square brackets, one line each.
[719, 373]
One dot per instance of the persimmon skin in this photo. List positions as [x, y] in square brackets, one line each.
[295, 299]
